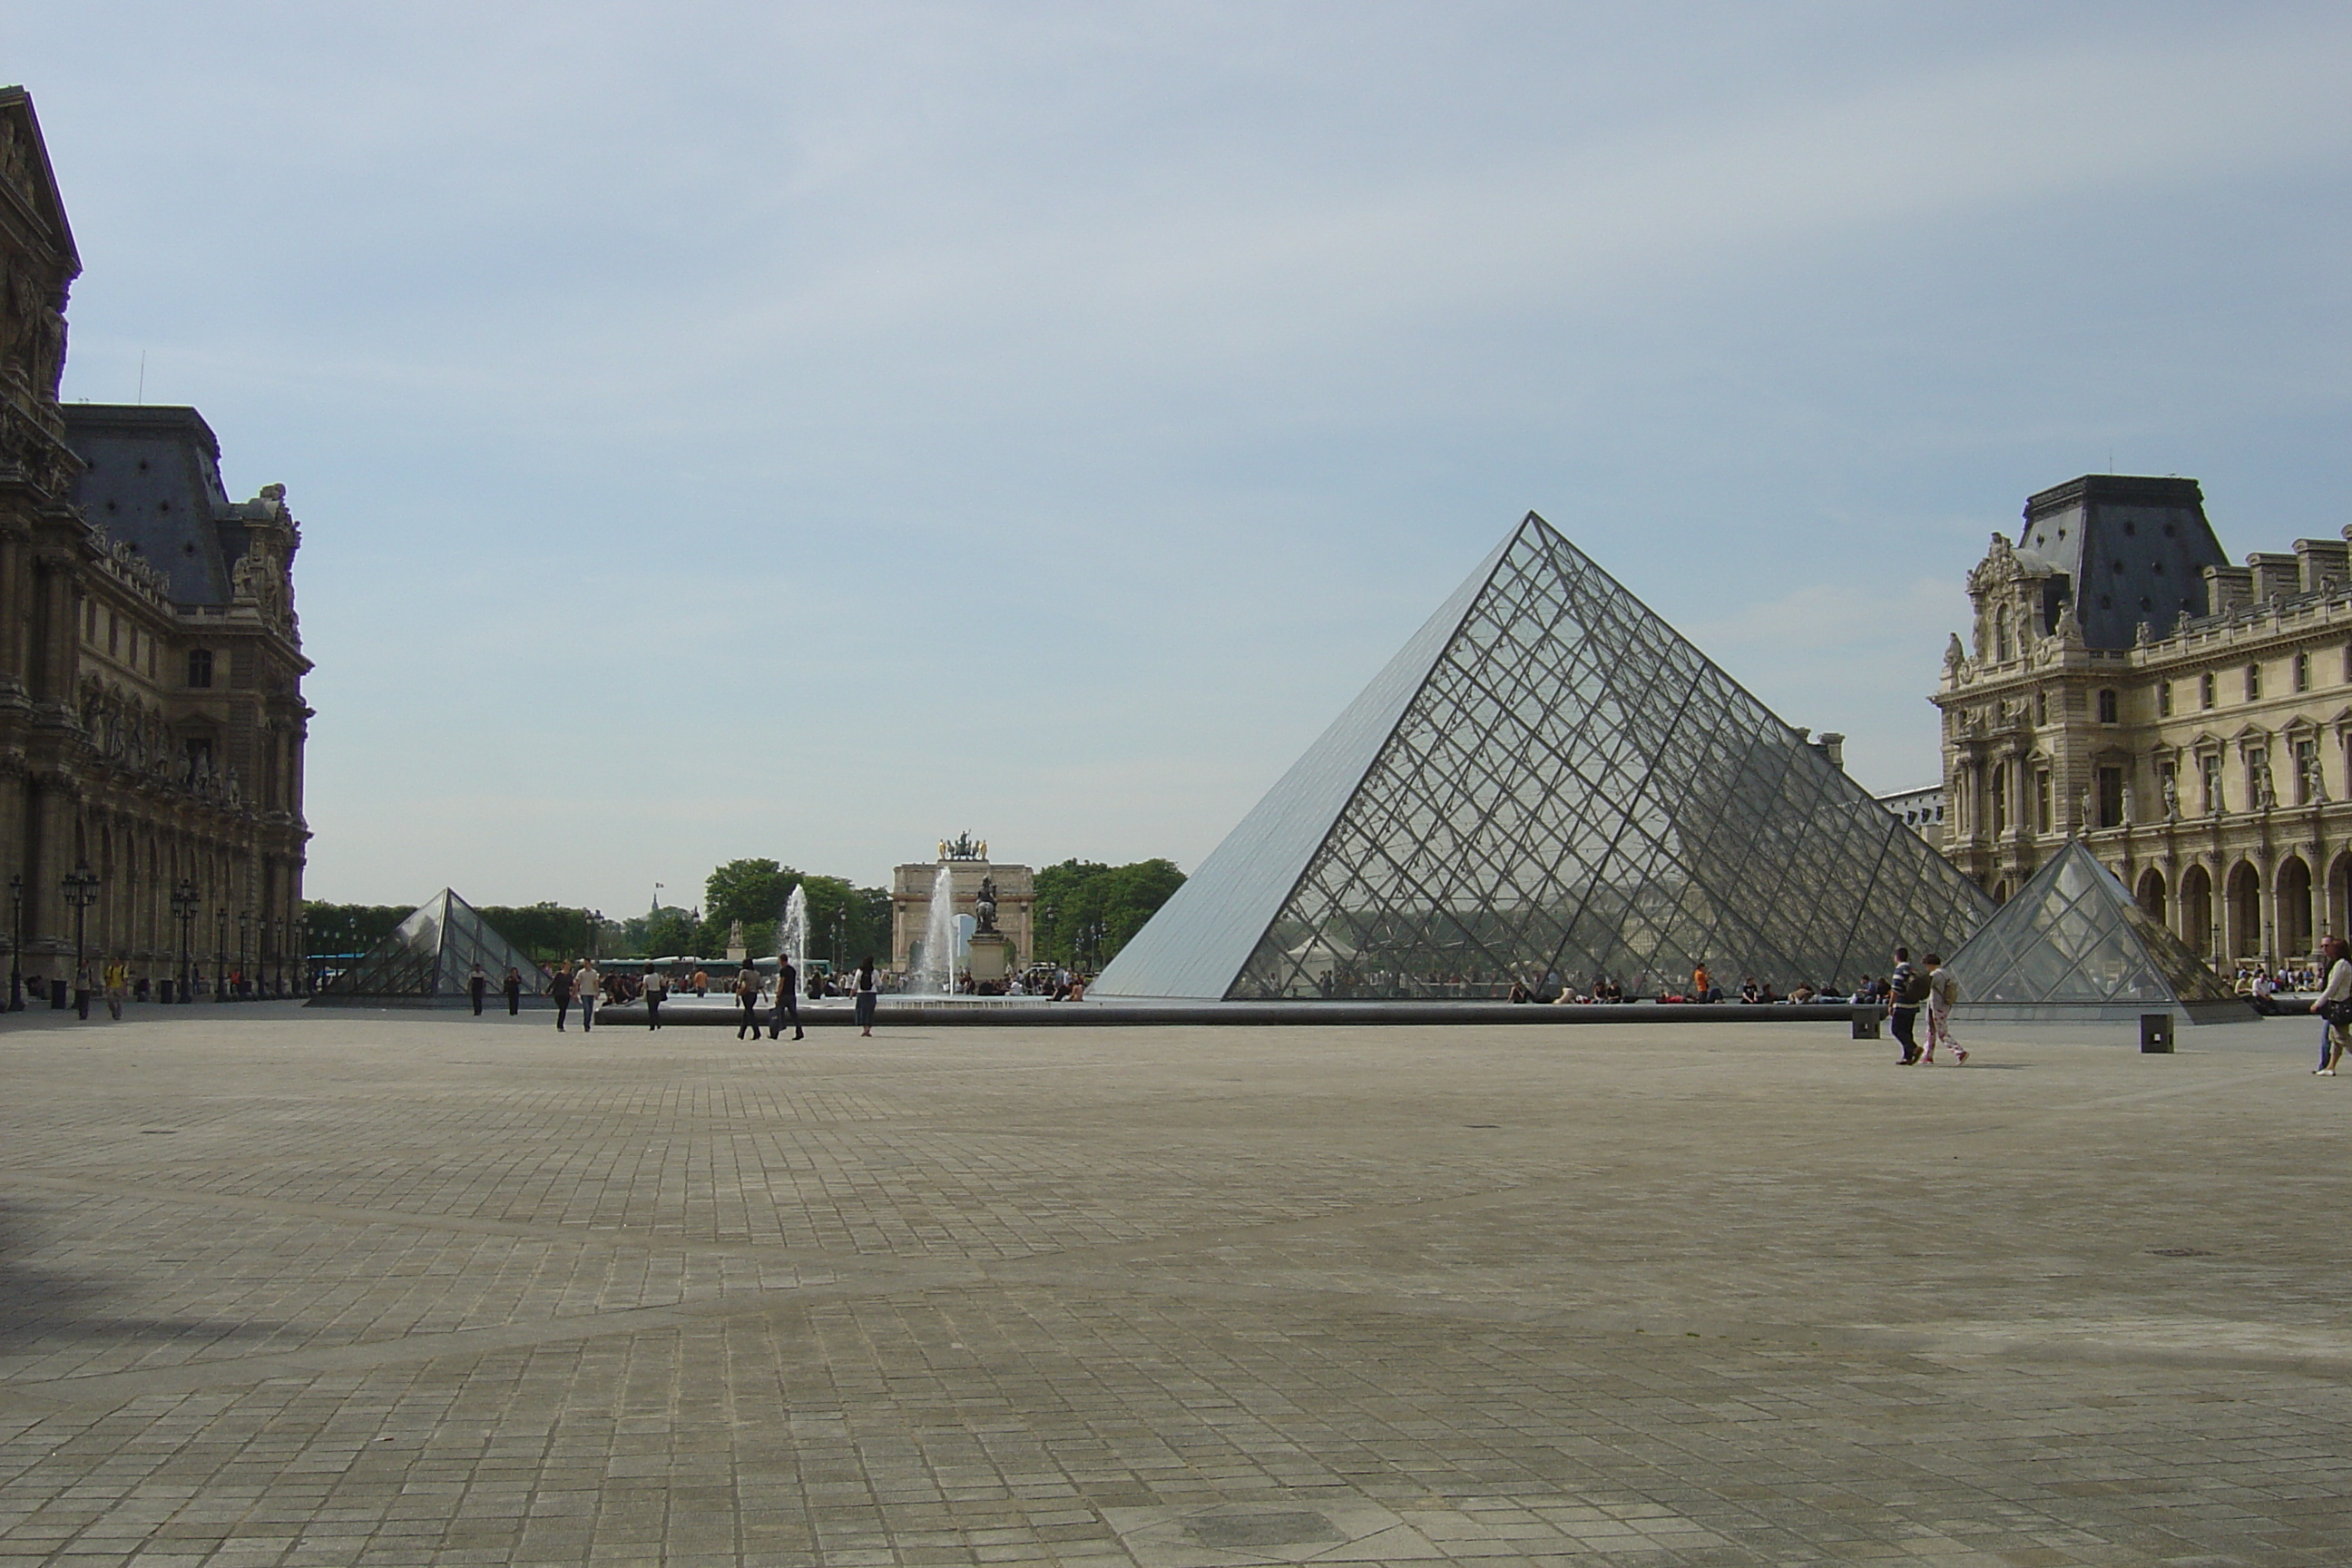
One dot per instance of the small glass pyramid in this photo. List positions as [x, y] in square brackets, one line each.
[2074, 944]
[431, 953]
[1549, 784]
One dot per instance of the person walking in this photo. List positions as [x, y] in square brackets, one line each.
[2334, 1003]
[1943, 993]
[514, 992]
[701, 982]
[590, 987]
[746, 994]
[560, 989]
[1906, 989]
[868, 991]
[477, 986]
[657, 993]
[788, 999]
[118, 987]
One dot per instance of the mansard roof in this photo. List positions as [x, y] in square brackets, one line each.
[2133, 548]
[152, 481]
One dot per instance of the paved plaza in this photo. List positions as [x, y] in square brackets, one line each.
[282, 1288]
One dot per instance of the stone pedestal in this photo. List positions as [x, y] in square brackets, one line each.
[990, 957]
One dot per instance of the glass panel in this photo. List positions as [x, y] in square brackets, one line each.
[1548, 781]
[2075, 935]
[433, 954]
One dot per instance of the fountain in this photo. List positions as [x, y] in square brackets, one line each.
[791, 932]
[940, 932]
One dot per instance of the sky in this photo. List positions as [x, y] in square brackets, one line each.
[813, 431]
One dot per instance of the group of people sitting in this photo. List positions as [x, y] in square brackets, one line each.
[1702, 988]
[2257, 985]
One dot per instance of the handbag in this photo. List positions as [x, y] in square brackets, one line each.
[2337, 1013]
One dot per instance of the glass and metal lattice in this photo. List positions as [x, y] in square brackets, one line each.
[2074, 944]
[433, 954]
[1549, 785]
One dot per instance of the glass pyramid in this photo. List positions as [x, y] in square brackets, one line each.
[2074, 944]
[433, 954]
[1549, 784]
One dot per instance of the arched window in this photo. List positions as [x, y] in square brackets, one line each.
[2197, 910]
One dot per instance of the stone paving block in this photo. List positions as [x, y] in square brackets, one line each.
[1612, 1296]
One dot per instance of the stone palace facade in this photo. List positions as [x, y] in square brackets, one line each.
[2189, 719]
[152, 720]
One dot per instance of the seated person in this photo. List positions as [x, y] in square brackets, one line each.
[1750, 991]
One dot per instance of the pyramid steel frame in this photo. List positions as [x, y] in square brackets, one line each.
[2074, 945]
[1549, 784]
[430, 956]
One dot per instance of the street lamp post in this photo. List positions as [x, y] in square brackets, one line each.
[81, 887]
[220, 954]
[184, 909]
[244, 965]
[17, 947]
[596, 932]
[302, 950]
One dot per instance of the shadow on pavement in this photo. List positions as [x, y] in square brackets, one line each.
[42, 1306]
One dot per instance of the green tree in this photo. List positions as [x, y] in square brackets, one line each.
[841, 915]
[746, 890]
[545, 931]
[661, 932]
[1134, 894]
[1087, 911]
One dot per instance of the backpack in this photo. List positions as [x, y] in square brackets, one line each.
[1913, 991]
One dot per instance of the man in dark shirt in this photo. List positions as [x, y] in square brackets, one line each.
[788, 1001]
[1906, 989]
